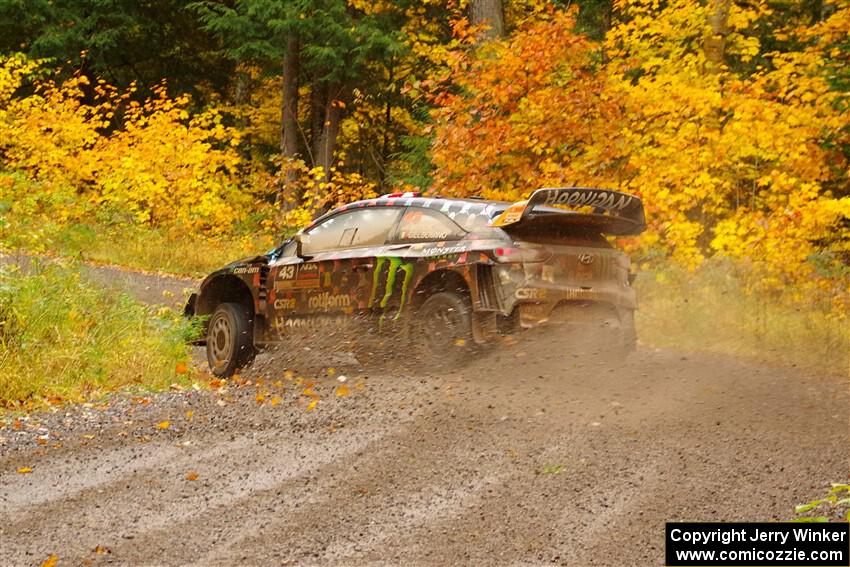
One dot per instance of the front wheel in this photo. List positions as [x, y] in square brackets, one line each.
[230, 341]
[444, 329]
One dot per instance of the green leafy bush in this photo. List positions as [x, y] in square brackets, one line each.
[833, 506]
[63, 339]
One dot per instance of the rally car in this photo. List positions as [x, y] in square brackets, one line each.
[442, 274]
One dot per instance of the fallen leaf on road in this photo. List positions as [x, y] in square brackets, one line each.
[24, 470]
[275, 400]
[312, 405]
[342, 391]
[100, 550]
[288, 374]
[552, 469]
[88, 436]
[460, 342]
[50, 561]
[260, 398]
[359, 385]
[192, 475]
[331, 371]
[163, 425]
[190, 414]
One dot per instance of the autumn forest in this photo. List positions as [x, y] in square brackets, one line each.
[243, 119]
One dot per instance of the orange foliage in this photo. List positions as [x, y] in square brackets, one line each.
[526, 113]
[727, 164]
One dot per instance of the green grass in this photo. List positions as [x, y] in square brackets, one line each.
[709, 311]
[132, 246]
[62, 339]
[37, 218]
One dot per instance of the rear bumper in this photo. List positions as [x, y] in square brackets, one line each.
[608, 310]
[573, 306]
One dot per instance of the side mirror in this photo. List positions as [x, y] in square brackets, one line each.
[300, 239]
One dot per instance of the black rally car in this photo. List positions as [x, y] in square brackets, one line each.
[443, 274]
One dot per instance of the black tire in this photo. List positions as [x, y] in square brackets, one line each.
[443, 330]
[230, 339]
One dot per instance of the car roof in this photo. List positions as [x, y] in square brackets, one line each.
[468, 213]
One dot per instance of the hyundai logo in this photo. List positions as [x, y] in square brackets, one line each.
[586, 259]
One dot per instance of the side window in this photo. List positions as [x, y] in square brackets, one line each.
[423, 225]
[353, 229]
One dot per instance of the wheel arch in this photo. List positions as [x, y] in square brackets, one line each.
[224, 288]
[437, 281]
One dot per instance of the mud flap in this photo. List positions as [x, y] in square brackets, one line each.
[484, 326]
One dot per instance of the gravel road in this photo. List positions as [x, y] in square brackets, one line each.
[534, 454]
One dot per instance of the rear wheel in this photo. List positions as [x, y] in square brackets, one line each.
[444, 329]
[230, 341]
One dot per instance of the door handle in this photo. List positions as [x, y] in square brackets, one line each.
[363, 267]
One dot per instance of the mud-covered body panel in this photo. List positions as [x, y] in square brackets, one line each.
[377, 283]
[382, 285]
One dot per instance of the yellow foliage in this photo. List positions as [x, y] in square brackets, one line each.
[318, 193]
[157, 165]
[737, 163]
[727, 164]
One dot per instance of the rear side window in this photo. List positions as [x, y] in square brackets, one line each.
[353, 229]
[423, 225]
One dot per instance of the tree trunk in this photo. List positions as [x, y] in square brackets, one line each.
[715, 45]
[318, 102]
[330, 131]
[327, 141]
[243, 86]
[388, 121]
[289, 121]
[488, 13]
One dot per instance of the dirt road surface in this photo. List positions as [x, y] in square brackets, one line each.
[534, 454]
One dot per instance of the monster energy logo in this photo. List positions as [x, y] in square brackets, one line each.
[396, 265]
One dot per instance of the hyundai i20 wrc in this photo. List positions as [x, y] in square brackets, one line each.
[440, 275]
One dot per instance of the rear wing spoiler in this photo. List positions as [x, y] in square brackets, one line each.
[612, 212]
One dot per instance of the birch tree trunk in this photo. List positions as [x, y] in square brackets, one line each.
[490, 14]
[715, 45]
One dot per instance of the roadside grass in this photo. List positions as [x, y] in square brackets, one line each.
[62, 339]
[131, 246]
[42, 219]
[709, 311]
